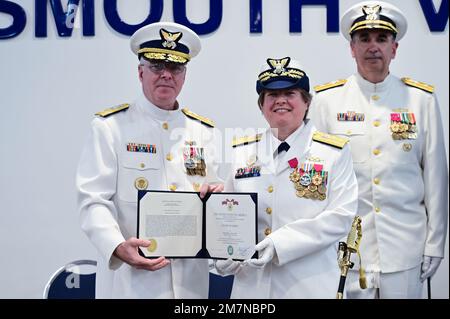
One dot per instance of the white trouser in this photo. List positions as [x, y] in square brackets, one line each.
[396, 285]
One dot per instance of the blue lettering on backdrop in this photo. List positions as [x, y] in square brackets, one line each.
[63, 28]
[19, 19]
[295, 14]
[255, 16]
[211, 25]
[112, 16]
[437, 20]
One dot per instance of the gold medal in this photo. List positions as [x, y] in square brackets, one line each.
[396, 136]
[317, 179]
[315, 195]
[307, 193]
[299, 187]
[152, 247]
[395, 127]
[312, 188]
[412, 136]
[322, 196]
[300, 193]
[404, 135]
[294, 176]
[404, 127]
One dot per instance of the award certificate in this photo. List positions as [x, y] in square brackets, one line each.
[182, 225]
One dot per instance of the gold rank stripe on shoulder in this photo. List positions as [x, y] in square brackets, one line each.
[113, 110]
[195, 116]
[420, 85]
[330, 85]
[246, 140]
[332, 140]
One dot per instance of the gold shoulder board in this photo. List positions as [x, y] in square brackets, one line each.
[113, 110]
[194, 116]
[246, 140]
[330, 85]
[420, 85]
[332, 140]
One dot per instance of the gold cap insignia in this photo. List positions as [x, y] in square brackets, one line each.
[372, 12]
[278, 65]
[171, 39]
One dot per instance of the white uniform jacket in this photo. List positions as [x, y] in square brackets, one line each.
[305, 231]
[107, 196]
[403, 183]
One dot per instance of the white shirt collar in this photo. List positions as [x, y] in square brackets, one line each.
[145, 106]
[369, 87]
[290, 139]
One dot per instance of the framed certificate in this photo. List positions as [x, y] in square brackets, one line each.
[182, 225]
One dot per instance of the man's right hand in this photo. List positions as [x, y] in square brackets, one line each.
[128, 253]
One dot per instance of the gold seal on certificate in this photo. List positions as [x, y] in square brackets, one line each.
[152, 247]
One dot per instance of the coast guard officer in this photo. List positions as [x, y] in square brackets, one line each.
[307, 193]
[396, 136]
[151, 144]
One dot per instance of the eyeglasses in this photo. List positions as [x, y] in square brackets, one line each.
[173, 68]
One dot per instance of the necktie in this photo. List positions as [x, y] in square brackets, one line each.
[281, 148]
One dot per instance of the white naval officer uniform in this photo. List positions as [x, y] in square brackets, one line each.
[305, 232]
[403, 184]
[107, 195]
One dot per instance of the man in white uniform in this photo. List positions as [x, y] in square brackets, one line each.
[149, 144]
[397, 144]
[307, 193]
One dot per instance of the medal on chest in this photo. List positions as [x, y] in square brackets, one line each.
[403, 126]
[309, 180]
[194, 159]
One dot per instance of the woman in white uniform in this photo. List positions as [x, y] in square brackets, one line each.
[307, 193]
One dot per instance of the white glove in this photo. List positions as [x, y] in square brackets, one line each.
[429, 267]
[227, 267]
[266, 250]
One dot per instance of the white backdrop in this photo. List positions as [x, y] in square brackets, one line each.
[51, 87]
